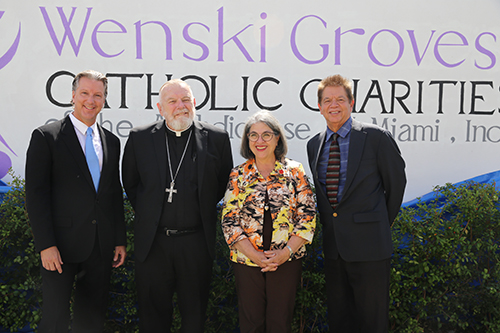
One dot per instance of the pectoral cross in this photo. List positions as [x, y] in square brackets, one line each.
[170, 191]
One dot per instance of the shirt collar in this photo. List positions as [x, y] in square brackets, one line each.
[279, 169]
[80, 126]
[178, 133]
[342, 132]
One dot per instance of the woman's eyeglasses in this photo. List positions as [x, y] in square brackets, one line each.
[266, 136]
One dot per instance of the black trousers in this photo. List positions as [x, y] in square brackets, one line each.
[178, 264]
[91, 281]
[358, 295]
[266, 300]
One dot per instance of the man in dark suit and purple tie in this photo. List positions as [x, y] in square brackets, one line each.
[360, 179]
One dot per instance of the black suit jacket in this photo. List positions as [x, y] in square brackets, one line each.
[63, 206]
[359, 228]
[144, 177]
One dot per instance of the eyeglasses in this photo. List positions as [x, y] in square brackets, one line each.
[266, 136]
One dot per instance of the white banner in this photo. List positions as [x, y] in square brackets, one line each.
[427, 70]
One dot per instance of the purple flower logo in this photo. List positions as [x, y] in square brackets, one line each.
[7, 57]
[5, 162]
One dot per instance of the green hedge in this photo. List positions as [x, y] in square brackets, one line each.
[445, 272]
[445, 269]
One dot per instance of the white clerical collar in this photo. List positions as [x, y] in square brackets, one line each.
[178, 133]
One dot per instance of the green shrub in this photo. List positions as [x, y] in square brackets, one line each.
[21, 277]
[445, 272]
[20, 289]
[445, 269]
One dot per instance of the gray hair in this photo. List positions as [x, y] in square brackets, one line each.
[92, 75]
[177, 82]
[267, 118]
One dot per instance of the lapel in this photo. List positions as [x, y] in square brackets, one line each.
[317, 153]
[105, 157]
[356, 145]
[71, 140]
[160, 150]
[201, 138]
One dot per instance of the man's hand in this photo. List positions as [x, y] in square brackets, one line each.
[120, 254]
[51, 259]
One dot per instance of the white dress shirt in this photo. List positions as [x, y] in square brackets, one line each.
[81, 133]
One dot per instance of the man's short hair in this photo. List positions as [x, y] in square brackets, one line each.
[267, 118]
[335, 81]
[92, 75]
[175, 82]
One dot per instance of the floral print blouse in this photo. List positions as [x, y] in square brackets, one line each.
[291, 204]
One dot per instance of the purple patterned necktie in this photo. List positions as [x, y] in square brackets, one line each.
[333, 172]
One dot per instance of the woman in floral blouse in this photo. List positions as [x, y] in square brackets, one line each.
[268, 216]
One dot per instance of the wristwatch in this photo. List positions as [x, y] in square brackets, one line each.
[291, 251]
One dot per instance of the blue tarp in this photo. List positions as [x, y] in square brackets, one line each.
[3, 189]
[488, 178]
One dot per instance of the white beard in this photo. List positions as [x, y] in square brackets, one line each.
[180, 123]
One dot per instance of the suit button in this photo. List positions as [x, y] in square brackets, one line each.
[94, 221]
[335, 214]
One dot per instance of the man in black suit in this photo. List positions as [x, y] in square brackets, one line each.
[357, 205]
[175, 171]
[75, 205]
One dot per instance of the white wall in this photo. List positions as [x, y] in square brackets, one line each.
[442, 54]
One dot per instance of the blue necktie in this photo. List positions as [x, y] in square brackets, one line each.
[92, 160]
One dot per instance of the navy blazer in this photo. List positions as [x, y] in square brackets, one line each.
[63, 206]
[359, 228]
[144, 177]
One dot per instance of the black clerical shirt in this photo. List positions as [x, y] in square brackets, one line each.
[184, 210]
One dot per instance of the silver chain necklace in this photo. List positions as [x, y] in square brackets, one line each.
[172, 190]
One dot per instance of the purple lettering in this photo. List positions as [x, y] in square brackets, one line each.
[189, 39]
[486, 52]
[400, 42]
[416, 52]
[263, 39]
[235, 38]
[295, 49]
[438, 44]
[95, 43]
[7, 57]
[338, 34]
[138, 41]
[67, 29]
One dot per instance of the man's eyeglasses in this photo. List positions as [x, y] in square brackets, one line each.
[266, 136]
